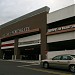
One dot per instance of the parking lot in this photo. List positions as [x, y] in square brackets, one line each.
[36, 67]
[19, 68]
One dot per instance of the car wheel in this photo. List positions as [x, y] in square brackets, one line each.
[45, 65]
[72, 68]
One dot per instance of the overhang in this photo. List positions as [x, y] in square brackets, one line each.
[21, 34]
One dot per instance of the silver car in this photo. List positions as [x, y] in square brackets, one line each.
[66, 61]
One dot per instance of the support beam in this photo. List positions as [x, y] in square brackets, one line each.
[1, 52]
[16, 50]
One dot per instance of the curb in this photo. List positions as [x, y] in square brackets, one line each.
[26, 61]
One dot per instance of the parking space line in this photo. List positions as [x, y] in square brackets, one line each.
[28, 65]
[23, 65]
[53, 72]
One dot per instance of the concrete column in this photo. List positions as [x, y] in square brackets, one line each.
[16, 50]
[1, 52]
[44, 37]
[39, 57]
[43, 46]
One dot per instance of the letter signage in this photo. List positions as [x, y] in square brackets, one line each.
[16, 31]
[61, 28]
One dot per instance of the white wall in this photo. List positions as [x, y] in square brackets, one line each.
[30, 38]
[7, 42]
[61, 14]
[61, 37]
[24, 39]
[51, 54]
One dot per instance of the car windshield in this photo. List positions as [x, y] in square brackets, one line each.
[73, 56]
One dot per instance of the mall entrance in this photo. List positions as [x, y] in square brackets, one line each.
[30, 52]
[7, 53]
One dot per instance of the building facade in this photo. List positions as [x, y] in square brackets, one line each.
[61, 31]
[35, 35]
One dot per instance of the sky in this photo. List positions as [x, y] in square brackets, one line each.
[11, 9]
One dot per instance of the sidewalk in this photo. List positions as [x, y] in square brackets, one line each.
[25, 61]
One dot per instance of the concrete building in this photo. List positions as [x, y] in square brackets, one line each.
[38, 33]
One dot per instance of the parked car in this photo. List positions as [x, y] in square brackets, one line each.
[66, 61]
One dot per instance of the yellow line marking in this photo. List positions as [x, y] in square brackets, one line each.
[53, 72]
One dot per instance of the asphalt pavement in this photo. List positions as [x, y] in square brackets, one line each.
[18, 68]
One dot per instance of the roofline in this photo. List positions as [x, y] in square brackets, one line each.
[31, 14]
